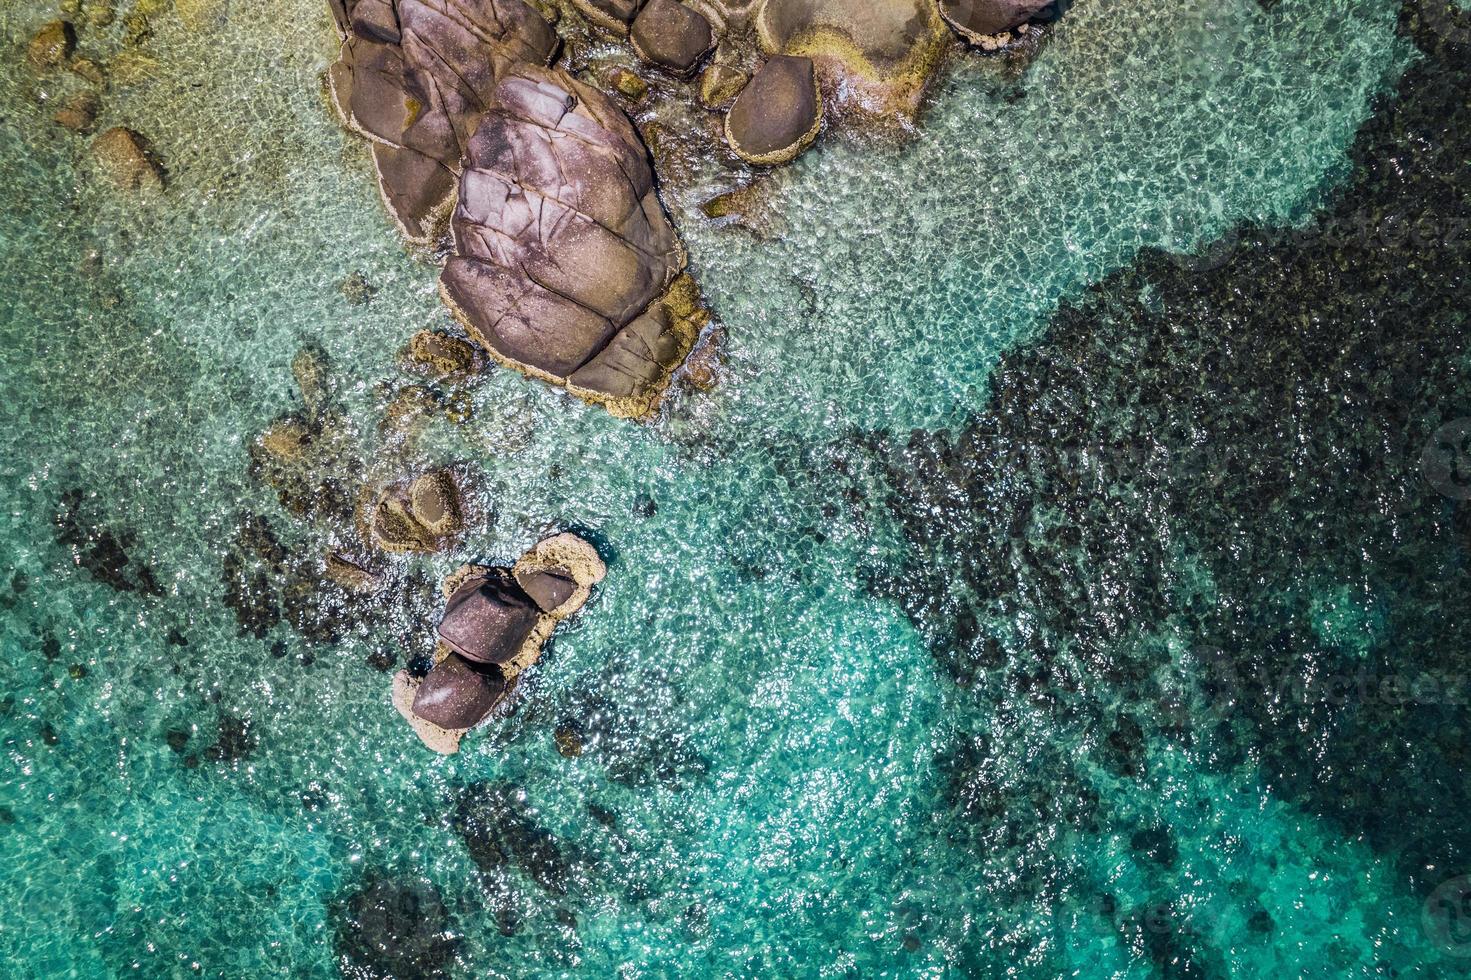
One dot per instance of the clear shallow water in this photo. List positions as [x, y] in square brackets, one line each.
[769, 749]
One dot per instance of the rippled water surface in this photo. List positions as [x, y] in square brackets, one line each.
[769, 781]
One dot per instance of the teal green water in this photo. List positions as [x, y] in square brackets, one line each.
[771, 761]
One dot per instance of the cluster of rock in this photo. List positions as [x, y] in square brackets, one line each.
[496, 622]
[875, 57]
[120, 154]
[563, 259]
[563, 263]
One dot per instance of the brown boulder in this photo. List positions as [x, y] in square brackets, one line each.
[52, 45]
[549, 589]
[980, 20]
[127, 160]
[488, 619]
[560, 240]
[458, 694]
[672, 36]
[614, 15]
[778, 114]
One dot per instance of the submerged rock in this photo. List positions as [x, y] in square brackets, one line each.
[672, 36]
[78, 113]
[127, 160]
[423, 514]
[438, 355]
[562, 246]
[52, 45]
[501, 831]
[778, 114]
[396, 929]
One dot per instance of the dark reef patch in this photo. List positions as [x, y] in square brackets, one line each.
[394, 928]
[104, 551]
[1258, 455]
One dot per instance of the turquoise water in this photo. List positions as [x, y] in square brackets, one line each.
[760, 793]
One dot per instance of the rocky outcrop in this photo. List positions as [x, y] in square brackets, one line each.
[415, 76]
[423, 514]
[778, 114]
[561, 247]
[495, 625]
[989, 23]
[671, 35]
[876, 55]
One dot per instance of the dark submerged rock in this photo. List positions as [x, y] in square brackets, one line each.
[394, 928]
[672, 36]
[459, 694]
[501, 831]
[488, 619]
[778, 114]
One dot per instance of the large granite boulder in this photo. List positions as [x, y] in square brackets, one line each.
[489, 619]
[561, 244]
[979, 21]
[672, 36]
[877, 55]
[778, 114]
[414, 76]
[458, 694]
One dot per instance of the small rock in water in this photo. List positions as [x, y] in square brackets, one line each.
[77, 671]
[19, 582]
[48, 734]
[645, 506]
[176, 638]
[628, 84]
[720, 84]
[381, 660]
[7, 815]
[356, 289]
[125, 158]
[177, 739]
[568, 740]
[52, 45]
[50, 647]
[438, 355]
[78, 113]
[778, 114]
